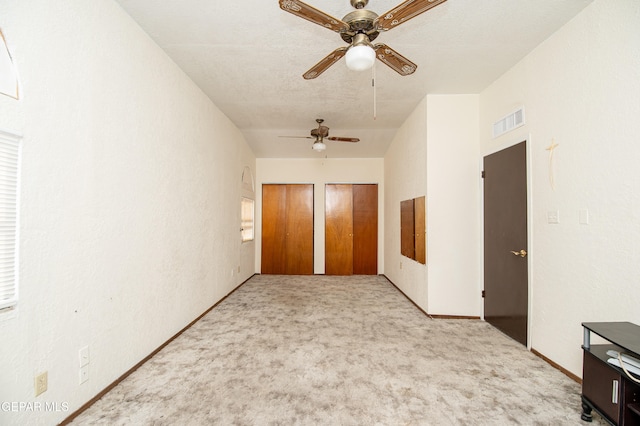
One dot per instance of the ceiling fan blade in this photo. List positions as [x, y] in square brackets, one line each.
[403, 12]
[297, 137]
[314, 15]
[394, 60]
[336, 138]
[325, 63]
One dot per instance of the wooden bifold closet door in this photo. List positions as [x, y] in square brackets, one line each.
[287, 229]
[351, 229]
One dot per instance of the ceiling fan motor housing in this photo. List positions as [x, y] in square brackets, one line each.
[360, 22]
[320, 132]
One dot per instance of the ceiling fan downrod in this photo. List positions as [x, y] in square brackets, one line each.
[359, 4]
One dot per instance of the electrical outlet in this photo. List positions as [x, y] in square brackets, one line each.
[400, 265]
[84, 374]
[84, 356]
[41, 383]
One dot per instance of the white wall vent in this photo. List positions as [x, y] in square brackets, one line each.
[509, 122]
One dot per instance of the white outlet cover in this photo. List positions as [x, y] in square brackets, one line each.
[84, 356]
[41, 383]
[84, 374]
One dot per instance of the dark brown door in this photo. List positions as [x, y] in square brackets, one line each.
[351, 229]
[365, 229]
[505, 241]
[287, 229]
[338, 230]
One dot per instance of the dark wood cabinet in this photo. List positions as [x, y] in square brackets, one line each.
[407, 229]
[351, 229]
[413, 226]
[287, 229]
[420, 218]
[606, 388]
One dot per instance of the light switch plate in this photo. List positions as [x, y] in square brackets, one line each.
[584, 216]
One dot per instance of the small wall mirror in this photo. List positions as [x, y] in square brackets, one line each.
[413, 229]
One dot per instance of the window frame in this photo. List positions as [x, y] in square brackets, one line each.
[10, 162]
[247, 223]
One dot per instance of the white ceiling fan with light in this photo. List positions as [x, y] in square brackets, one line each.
[359, 28]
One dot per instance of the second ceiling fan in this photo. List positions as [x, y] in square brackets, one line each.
[359, 28]
[320, 134]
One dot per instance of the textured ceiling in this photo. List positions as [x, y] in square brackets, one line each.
[249, 57]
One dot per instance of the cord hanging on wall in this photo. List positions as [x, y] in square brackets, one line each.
[551, 148]
[373, 84]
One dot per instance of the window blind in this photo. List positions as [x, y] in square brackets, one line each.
[9, 174]
[247, 219]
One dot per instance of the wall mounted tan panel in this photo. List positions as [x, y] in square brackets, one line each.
[419, 211]
[274, 203]
[299, 218]
[365, 229]
[338, 230]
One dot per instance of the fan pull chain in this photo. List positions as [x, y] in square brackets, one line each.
[373, 83]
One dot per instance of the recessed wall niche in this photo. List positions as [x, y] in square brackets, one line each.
[413, 227]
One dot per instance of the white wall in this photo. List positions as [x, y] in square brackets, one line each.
[435, 154]
[131, 184]
[320, 172]
[580, 88]
[453, 213]
[126, 164]
[405, 171]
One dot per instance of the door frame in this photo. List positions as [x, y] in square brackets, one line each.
[530, 242]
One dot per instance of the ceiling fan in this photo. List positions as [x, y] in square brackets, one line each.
[319, 134]
[359, 28]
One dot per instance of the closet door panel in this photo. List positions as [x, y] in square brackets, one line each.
[299, 230]
[365, 229]
[407, 229]
[274, 202]
[338, 230]
[420, 214]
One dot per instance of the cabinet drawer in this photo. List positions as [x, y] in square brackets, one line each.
[601, 385]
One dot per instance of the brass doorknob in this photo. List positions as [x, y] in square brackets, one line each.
[521, 253]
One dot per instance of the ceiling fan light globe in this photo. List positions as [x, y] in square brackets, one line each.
[360, 58]
[319, 146]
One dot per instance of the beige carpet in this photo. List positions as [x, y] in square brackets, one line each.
[285, 350]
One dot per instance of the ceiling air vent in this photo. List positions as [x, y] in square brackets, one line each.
[509, 122]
